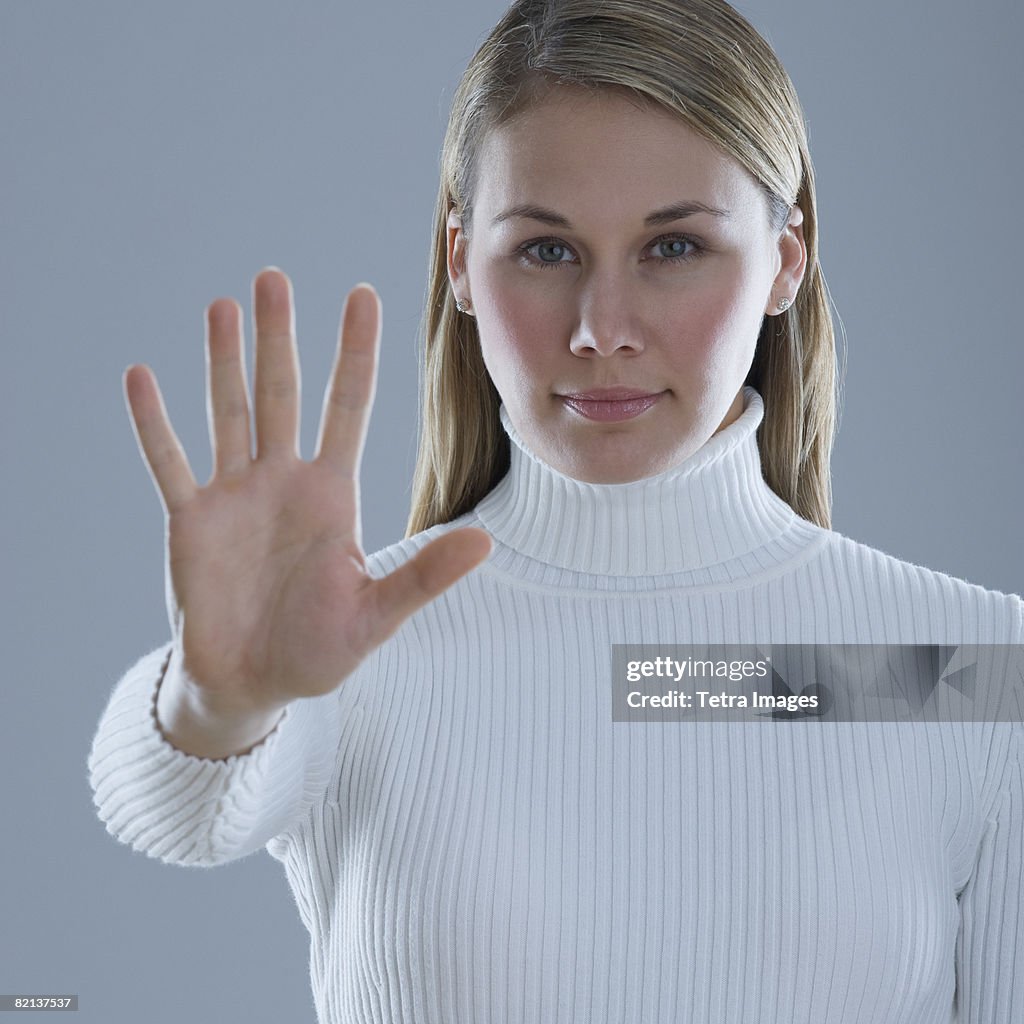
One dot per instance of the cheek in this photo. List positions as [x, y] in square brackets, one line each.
[734, 299]
[516, 354]
[710, 321]
[711, 337]
[515, 301]
[730, 312]
[519, 329]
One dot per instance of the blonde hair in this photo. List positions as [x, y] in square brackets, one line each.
[701, 60]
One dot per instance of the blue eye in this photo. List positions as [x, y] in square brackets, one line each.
[681, 242]
[550, 245]
[560, 248]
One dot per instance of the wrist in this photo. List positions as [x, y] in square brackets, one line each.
[207, 724]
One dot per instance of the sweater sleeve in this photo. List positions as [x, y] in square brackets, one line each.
[189, 810]
[990, 944]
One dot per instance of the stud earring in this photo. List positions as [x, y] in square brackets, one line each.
[783, 304]
[461, 306]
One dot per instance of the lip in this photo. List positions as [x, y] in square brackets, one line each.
[618, 394]
[609, 405]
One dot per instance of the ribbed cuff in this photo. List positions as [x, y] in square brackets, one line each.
[190, 810]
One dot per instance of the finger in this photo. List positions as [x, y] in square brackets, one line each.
[276, 366]
[440, 564]
[160, 447]
[227, 402]
[349, 396]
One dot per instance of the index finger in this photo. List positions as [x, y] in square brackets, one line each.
[350, 391]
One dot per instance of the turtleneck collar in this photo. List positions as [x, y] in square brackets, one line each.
[712, 507]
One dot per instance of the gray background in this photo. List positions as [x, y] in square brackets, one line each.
[155, 157]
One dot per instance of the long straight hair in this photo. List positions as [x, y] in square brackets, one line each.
[702, 61]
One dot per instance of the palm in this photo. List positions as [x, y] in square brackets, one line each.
[268, 591]
[270, 574]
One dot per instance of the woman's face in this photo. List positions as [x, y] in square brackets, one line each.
[589, 292]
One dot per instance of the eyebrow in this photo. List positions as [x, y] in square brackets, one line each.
[667, 214]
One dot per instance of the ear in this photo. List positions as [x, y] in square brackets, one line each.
[792, 262]
[457, 241]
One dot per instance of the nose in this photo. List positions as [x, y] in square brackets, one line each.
[607, 321]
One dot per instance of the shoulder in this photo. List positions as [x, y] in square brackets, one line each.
[934, 601]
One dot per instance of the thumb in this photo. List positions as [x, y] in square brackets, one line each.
[433, 570]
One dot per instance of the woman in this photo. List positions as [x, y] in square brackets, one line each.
[628, 412]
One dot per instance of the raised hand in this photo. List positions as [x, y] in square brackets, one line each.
[267, 587]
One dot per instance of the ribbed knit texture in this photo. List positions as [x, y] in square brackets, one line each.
[471, 839]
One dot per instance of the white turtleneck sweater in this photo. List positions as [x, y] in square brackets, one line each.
[471, 839]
